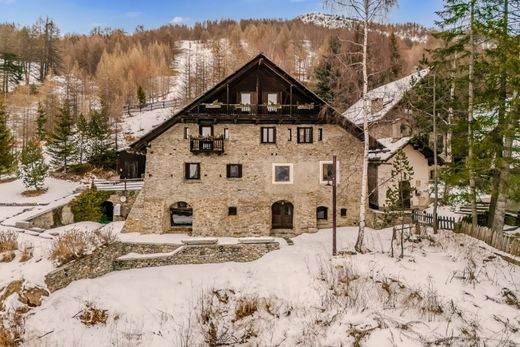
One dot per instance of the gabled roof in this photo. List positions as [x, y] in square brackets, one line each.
[390, 93]
[260, 59]
[391, 146]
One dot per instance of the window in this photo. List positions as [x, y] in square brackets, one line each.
[282, 173]
[234, 170]
[226, 133]
[186, 133]
[289, 134]
[268, 135]
[320, 134]
[321, 213]
[272, 98]
[232, 211]
[206, 130]
[192, 171]
[304, 135]
[343, 212]
[326, 172]
[245, 98]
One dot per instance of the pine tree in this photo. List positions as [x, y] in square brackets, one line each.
[33, 168]
[141, 96]
[396, 63]
[101, 152]
[83, 132]
[62, 142]
[400, 191]
[7, 158]
[41, 120]
[326, 72]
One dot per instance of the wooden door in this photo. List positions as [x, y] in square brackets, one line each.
[282, 215]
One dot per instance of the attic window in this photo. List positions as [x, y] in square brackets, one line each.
[245, 102]
[272, 102]
[377, 105]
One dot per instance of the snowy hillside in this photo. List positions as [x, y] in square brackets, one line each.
[410, 31]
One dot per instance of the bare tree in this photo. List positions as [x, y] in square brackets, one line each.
[366, 11]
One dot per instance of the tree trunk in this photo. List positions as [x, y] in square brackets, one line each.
[470, 160]
[366, 110]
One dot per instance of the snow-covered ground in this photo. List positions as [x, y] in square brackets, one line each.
[14, 206]
[450, 287]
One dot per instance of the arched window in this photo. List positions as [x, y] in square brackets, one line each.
[322, 213]
[181, 215]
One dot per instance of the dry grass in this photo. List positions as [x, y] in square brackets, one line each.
[26, 253]
[36, 192]
[8, 241]
[106, 236]
[91, 315]
[245, 307]
[7, 257]
[70, 245]
[7, 337]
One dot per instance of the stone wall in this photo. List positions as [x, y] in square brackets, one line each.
[104, 259]
[254, 193]
[201, 254]
[56, 217]
[99, 262]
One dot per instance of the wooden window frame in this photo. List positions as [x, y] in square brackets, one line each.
[232, 211]
[187, 171]
[343, 212]
[262, 134]
[289, 134]
[322, 208]
[303, 129]
[228, 170]
[186, 133]
[226, 134]
[320, 134]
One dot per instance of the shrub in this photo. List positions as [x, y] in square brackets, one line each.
[7, 257]
[80, 169]
[105, 236]
[27, 253]
[8, 241]
[70, 245]
[87, 205]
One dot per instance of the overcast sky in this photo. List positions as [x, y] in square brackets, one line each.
[80, 16]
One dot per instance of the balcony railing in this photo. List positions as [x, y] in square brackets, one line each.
[207, 144]
[255, 109]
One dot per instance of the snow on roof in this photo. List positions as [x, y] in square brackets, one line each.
[390, 93]
[391, 147]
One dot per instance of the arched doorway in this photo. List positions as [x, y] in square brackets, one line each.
[282, 215]
[181, 215]
[108, 212]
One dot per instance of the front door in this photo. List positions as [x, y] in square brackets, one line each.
[282, 212]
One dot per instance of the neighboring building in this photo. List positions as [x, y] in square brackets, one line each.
[380, 173]
[389, 117]
[251, 156]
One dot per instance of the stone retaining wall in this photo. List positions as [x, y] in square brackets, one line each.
[100, 262]
[104, 259]
[201, 254]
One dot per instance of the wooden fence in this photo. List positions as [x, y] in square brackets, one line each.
[118, 185]
[443, 222]
[501, 241]
[151, 106]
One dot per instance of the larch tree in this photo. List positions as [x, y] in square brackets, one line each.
[41, 120]
[366, 11]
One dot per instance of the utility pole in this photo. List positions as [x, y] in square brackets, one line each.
[435, 174]
[333, 205]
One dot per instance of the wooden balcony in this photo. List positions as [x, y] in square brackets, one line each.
[207, 145]
[261, 110]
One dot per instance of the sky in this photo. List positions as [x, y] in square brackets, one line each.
[80, 16]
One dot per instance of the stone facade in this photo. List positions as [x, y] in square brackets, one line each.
[254, 194]
[57, 217]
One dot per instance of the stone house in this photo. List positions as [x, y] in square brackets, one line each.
[251, 156]
[380, 167]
